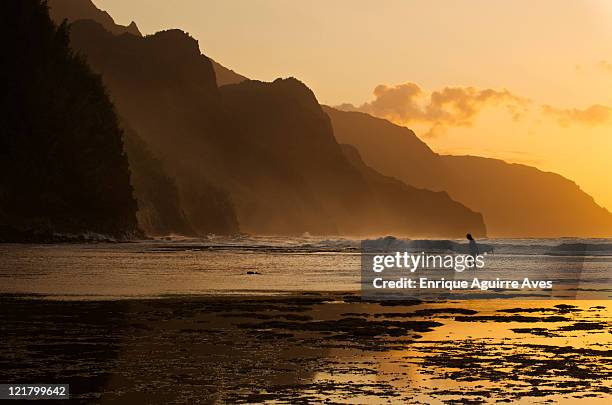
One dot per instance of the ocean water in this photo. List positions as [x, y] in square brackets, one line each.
[269, 265]
[92, 316]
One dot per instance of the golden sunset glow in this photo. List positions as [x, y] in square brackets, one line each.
[323, 201]
[556, 55]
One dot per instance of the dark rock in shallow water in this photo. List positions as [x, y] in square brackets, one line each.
[535, 331]
[351, 327]
[42, 235]
[511, 318]
[583, 326]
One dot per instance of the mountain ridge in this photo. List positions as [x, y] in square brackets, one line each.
[249, 140]
[516, 200]
[74, 10]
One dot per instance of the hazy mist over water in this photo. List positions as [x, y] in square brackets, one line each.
[247, 265]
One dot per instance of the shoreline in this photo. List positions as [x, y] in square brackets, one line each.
[308, 347]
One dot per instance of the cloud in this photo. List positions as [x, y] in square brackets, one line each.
[450, 107]
[605, 66]
[594, 115]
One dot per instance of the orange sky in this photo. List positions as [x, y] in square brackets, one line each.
[525, 81]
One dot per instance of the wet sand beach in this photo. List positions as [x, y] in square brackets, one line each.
[277, 320]
[309, 347]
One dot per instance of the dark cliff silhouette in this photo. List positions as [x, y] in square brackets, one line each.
[411, 210]
[159, 205]
[262, 155]
[268, 146]
[293, 175]
[63, 168]
[74, 10]
[159, 208]
[519, 200]
[294, 166]
[516, 200]
[225, 75]
[166, 90]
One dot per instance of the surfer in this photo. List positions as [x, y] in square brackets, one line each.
[473, 247]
